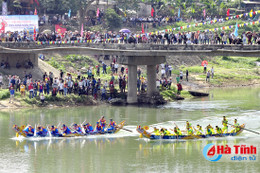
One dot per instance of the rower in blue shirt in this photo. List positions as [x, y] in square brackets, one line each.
[42, 132]
[88, 128]
[98, 128]
[77, 129]
[28, 130]
[65, 130]
[55, 131]
[112, 125]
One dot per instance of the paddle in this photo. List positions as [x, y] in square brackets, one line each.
[35, 130]
[127, 130]
[245, 129]
[83, 130]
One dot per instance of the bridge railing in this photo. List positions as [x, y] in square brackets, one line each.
[32, 45]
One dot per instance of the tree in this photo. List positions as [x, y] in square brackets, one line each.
[112, 19]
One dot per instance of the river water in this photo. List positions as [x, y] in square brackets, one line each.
[124, 151]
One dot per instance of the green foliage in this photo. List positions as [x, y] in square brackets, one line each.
[112, 19]
[56, 64]
[4, 93]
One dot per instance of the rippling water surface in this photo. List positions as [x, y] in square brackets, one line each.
[124, 151]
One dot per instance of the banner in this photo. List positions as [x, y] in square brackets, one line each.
[4, 8]
[19, 23]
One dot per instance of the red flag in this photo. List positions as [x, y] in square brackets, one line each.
[152, 12]
[204, 12]
[142, 28]
[35, 11]
[59, 29]
[228, 12]
[34, 34]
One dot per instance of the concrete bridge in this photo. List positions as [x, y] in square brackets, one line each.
[128, 54]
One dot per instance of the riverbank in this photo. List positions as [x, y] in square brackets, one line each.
[228, 72]
[19, 102]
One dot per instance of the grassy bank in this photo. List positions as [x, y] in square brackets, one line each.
[228, 71]
[59, 100]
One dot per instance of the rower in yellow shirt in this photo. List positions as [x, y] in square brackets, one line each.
[156, 131]
[225, 125]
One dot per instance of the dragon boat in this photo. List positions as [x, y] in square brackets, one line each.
[146, 134]
[22, 131]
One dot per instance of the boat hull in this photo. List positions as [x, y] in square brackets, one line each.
[148, 135]
[120, 126]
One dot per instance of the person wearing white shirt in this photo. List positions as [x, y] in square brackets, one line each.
[162, 72]
[212, 72]
[158, 84]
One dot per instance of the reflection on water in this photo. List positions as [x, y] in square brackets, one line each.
[124, 152]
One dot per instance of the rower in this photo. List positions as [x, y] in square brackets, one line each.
[210, 130]
[188, 125]
[177, 131]
[16, 128]
[65, 130]
[167, 133]
[88, 128]
[98, 128]
[225, 125]
[77, 129]
[189, 128]
[156, 131]
[112, 125]
[102, 122]
[29, 130]
[236, 127]
[42, 131]
[218, 130]
[55, 131]
[199, 131]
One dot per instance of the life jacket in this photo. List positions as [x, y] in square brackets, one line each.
[190, 131]
[66, 130]
[219, 131]
[224, 122]
[112, 124]
[199, 132]
[102, 122]
[237, 127]
[178, 132]
[157, 132]
[98, 127]
[167, 133]
[79, 130]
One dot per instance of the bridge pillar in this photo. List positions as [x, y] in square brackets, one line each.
[151, 79]
[132, 84]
